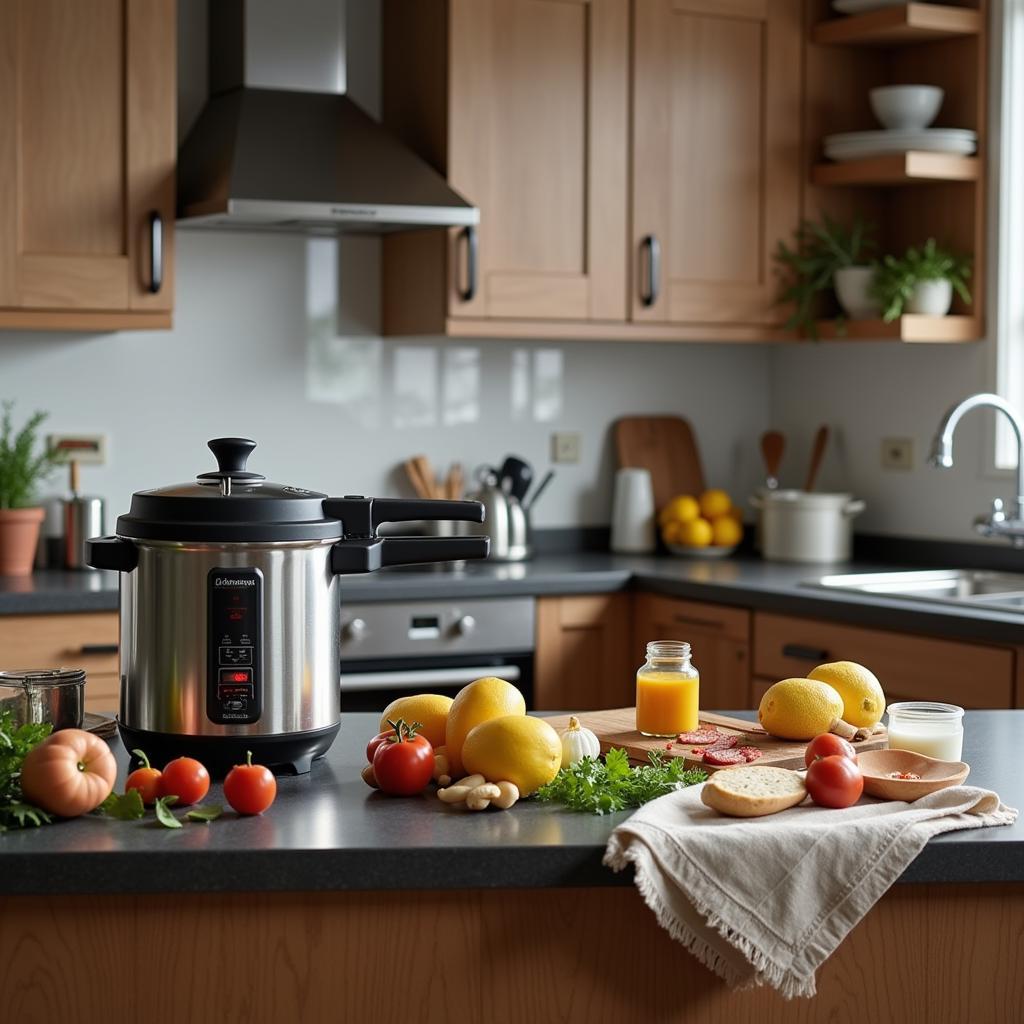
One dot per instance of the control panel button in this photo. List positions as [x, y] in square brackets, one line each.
[465, 625]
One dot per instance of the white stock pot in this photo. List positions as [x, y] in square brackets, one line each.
[805, 526]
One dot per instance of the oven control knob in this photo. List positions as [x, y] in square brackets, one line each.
[465, 625]
[355, 630]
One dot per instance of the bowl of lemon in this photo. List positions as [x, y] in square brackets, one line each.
[707, 525]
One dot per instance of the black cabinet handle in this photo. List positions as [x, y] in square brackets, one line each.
[804, 653]
[98, 649]
[651, 248]
[156, 252]
[468, 293]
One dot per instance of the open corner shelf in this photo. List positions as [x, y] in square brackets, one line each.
[898, 169]
[908, 328]
[897, 26]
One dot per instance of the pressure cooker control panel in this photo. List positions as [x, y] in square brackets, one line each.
[234, 687]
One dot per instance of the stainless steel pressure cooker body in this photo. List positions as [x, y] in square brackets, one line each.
[230, 608]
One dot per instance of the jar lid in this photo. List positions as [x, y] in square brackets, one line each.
[230, 504]
[33, 677]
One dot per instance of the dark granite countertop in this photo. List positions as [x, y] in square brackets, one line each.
[327, 831]
[742, 582]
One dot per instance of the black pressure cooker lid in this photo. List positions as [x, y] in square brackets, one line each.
[229, 505]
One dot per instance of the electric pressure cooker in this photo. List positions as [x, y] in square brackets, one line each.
[230, 608]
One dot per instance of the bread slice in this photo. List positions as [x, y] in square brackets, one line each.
[753, 790]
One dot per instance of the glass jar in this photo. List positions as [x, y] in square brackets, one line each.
[55, 696]
[935, 730]
[667, 690]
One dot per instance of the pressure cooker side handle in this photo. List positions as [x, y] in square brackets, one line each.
[370, 554]
[361, 516]
[111, 553]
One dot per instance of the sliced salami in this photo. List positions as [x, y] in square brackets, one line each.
[749, 753]
[723, 756]
[699, 737]
[724, 742]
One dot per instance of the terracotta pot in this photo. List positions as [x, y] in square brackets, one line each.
[19, 536]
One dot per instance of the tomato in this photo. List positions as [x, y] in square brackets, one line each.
[250, 788]
[70, 773]
[404, 764]
[828, 744]
[145, 779]
[381, 737]
[834, 781]
[185, 778]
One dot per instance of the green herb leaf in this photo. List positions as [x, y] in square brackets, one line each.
[123, 806]
[163, 812]
[613, 784]
[15, 743]
[27, 814]
[205, 814]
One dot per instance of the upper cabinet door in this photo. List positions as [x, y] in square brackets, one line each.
[716, 156]
[538, 139]
[87, 153]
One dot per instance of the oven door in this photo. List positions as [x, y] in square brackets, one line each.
[373, 685]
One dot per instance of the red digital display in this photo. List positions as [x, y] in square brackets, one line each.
[235, 677]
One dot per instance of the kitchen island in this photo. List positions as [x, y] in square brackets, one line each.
[344, 904]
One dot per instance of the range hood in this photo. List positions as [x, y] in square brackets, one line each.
[279, 146]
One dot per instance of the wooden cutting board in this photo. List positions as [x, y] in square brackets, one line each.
[617, 728]
[666, 447]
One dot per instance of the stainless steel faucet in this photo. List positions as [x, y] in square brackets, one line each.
[996, 523]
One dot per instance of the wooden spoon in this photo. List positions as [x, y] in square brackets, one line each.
[773, 444]
[817, 455]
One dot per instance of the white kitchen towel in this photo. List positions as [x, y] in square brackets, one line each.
[767, 900]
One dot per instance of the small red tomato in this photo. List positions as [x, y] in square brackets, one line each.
[404, 765]
[185, 778]
[145, 779]
[250, 788]
[834, 781]
[371, 747]
[828, 744]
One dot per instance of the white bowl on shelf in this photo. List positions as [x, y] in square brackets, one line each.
[906, 107]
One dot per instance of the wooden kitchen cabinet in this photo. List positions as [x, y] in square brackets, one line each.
[87, 157]
[719, 638]
[908, 667]
[584, 660]
[716, 157]
[87, 641]
[522, 104]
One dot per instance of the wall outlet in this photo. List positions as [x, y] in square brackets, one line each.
[86, 449]
[565, 447]
[898, 453]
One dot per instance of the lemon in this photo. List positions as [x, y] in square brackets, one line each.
[429, 709]
[799, 709]
[863, 699]
[695, 534]
[670, 532]
[516, 748]
[714, 504]
[725, 531]
[478, 701]
[681, 509]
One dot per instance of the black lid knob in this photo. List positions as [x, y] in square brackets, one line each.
[232, 453]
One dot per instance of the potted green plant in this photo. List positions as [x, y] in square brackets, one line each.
[22, 468]
[827, 256]
[921, 281]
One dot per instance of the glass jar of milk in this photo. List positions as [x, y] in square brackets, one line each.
[936, 730]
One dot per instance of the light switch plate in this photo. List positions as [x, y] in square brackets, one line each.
[86, 449]
[565, 447]
[898, 453]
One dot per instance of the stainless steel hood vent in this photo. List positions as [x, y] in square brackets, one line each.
[279, 146]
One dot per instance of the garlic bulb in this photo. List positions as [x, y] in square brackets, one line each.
[578, 743]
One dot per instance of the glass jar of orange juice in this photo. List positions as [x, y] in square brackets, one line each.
[667, 690]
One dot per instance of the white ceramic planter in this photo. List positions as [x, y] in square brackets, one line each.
[931, 298]
[851, 285]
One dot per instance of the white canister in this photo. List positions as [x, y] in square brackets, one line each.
[801, 526]
[633, 526]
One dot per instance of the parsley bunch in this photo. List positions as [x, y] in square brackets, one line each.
[613, 784]
[15, 743]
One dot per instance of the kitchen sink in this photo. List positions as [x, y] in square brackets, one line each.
[969, 587]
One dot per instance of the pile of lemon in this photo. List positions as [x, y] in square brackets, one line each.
[710, 520]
